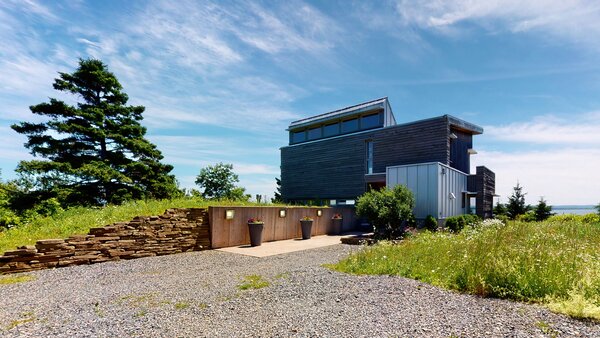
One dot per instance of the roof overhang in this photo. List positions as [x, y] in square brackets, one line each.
[465, 126]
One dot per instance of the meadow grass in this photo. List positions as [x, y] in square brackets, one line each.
[79, 220]
[555, 263]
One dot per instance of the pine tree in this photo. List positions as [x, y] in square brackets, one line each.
[516, 203]
[95, 152]
[277, 198]
[542, 210]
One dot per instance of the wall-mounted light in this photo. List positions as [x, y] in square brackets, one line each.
[319, 212]
[453, 136]
[282, 213]
[229, 213]
[472, 151]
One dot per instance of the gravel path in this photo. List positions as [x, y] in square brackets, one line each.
[196, 295]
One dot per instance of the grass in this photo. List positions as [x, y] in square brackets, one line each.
[182, 305]
[16, 279]
[555, 263]
[26, 317]
[253, 282]
[77, 221]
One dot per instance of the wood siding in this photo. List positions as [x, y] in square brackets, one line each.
[459, 156]
[335, 168]
[234, 232]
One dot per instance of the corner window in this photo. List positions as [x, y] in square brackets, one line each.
[369, 157]
[349, 125]
[370, 121]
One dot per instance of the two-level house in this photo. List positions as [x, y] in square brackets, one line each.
[337, 156]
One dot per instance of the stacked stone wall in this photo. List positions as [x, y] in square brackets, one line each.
[177, 230]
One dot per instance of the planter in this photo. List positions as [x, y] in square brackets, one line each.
[256, 230]
[306, 229]
[336, 226]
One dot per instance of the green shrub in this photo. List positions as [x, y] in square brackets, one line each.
[457, 223]
[388, 210]
[430, 223]
[587, 218]
[529, 216]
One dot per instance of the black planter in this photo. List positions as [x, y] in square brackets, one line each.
[256, 230]
[336, 226]
[306, 229]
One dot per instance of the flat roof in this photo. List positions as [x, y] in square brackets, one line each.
[365, 106]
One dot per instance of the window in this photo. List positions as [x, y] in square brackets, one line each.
[370, 121]
[298, 136]
[349, 125]
[369, 157]
[314, 133]
[331, 130]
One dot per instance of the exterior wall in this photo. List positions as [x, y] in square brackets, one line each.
[459, 156]
[452, 183]
[335, 168]
[234, 232]
[177, 230]
[485, 181]
[431, 184]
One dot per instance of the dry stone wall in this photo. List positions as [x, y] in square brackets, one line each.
[177, 230]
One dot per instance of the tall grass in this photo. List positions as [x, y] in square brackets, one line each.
[556, 263]
[80, 220]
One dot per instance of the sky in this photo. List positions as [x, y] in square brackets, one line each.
[222, 80]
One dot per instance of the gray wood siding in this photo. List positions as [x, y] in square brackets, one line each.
[335, 168]
[459, 156]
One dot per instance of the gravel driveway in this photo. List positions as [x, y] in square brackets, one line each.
[196, 294]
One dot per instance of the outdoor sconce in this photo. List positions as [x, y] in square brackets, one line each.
[319, 212]
[229, 214]
[282, 213]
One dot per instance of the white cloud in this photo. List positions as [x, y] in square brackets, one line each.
[561, 176]
[577, 131]
[578, 20]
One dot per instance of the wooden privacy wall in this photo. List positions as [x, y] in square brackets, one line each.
[234, 232]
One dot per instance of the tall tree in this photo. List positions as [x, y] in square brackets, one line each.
[516, 203]
[95, 151]
[277, 198]
[543, 210]
[219, 181]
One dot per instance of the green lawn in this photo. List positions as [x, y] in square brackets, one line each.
[555, 263]
[80, 220]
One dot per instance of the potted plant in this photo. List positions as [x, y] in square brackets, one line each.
[306, 224]
[336, 225]
[255, 226]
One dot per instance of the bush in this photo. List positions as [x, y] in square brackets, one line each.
[430, 223]
[388, 210]
[586, 219]
[529, 216]
[457, 223]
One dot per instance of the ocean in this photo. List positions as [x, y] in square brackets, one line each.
[574, 209]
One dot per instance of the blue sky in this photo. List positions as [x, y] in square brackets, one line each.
[222, 80]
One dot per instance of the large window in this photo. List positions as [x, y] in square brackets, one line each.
[349, 125]
[369, 157]
[314, 133]
[370, 121]
[298, 136]
[331, 129]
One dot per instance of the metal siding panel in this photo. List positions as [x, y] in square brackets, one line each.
[421, 210]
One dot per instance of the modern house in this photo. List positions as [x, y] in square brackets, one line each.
[337, 156]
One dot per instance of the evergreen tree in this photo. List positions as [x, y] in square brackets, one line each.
[499, 209]
[542, 210]
[95, 151]
[516, 203]
[277, 198]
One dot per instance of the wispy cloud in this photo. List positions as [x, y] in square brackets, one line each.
[577, 131]
[577, 21]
